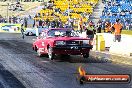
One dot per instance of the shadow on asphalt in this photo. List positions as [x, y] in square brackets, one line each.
[79, 59]
[86, 60]
[8, 79]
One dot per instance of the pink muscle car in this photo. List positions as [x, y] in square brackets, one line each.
[61, 41]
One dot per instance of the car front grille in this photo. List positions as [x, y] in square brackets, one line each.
[73, 42]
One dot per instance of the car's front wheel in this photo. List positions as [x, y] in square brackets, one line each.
[39, 53]
[50, 53]
[86, 55]
[65, 56]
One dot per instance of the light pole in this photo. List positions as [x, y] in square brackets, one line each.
[7, 12]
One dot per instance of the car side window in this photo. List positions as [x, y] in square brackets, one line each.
[51, 33]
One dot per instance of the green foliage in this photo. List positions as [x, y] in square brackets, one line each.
[128, 32]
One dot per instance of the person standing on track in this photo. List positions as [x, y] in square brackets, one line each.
[117, 30]
[22, 31]
[90, 30]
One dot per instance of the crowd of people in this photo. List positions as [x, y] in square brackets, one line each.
[3, 20]
[121, 9]
[89, 27]
[15, 20]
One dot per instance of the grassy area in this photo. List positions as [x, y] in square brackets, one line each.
[128, 32]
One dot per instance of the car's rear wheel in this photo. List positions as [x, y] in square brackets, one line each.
[86, 55]
[30, 33]
[50, 53]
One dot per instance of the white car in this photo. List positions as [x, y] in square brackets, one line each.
[32, 31]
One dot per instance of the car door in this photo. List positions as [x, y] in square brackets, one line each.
[43, 39]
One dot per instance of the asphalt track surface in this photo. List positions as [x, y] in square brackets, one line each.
[20, 67]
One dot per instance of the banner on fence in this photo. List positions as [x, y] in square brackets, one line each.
[6, 27]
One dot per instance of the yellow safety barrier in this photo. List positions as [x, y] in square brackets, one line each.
[100, 42]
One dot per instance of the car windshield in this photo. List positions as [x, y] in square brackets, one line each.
[62, 32]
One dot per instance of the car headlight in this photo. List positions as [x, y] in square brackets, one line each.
[60, 43]
[85, 42]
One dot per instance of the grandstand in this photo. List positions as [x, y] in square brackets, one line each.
[121, 9]
[63, 9]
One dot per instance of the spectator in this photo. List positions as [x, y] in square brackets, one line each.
[10, 19]
[1, 19]
[60, 23]
[13, 20]
[71, 21]
[40, 22]
[99, 27]
[47, 22]
[103, 12]
[108, 27]
[87, 15]
[66, 24]
[53, 24]
[18, 20]
[45, 7]
[127, 25]
[25, 22]
[122, 13]
[44, 25]
[21, 21]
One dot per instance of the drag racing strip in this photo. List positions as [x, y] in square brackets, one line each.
[34, 77]
[3, 83]
[26, 73]
[35, 72]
